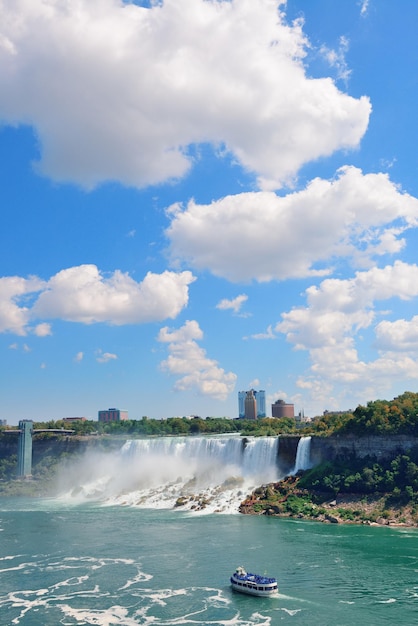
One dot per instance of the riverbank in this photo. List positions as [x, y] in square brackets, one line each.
[286, 499]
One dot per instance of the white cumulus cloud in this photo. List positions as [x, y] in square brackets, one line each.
[262, 236]
[398, 336]
[84, 294]
[14, 302]
[116, 91]
[235, 304]
[189, 363]
[330, 327]
[42, 330]
[105, 357]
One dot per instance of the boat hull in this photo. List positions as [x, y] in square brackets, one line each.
[251, 588]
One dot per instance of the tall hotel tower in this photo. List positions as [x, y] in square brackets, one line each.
[257, 399]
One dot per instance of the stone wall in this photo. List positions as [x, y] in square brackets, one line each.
[349, 446]
[288, 445]
[343, 447]
[55, 445]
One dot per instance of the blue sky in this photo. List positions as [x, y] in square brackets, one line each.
[204, 196]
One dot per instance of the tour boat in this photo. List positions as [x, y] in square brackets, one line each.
[253, 584]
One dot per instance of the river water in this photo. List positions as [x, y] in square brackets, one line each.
[99, 561]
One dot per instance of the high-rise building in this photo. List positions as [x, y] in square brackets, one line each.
[113, 415]
[250, 406]
[260, 399]
[260, 396]
[241, 403]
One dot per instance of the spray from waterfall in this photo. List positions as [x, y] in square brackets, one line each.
[211, 474]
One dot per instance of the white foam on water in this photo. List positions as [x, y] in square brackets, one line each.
[85, 598]
[290, 612]
[162, 595]
[70, 582]
[113, 616]
[139, 578]
[21, 566]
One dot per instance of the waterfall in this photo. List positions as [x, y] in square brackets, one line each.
[254, 458]
[303, 455]
[260, 458]
[223, 449]
[212, 473]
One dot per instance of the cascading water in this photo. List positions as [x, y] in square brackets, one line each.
[213, 473]
[259, 458]
[303, 455]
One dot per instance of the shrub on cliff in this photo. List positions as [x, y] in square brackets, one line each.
[8, 467]
[398, 476]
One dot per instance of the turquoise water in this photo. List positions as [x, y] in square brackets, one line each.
[90, 564]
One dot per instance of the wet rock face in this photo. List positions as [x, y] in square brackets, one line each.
[287, 452]
[273, 510]
[195, 502]
[345, 447]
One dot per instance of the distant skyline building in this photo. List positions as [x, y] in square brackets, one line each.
[260, 403]
[260, 396]
[74, 419]
[113, 415]
[281, 409]
[250, 406]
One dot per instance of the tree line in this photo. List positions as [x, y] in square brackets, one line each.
[378, 417]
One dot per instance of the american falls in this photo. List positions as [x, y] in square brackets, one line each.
[199, 474]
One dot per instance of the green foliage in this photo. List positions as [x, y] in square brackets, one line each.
[267, 426]
[126, 428]
[297, 505]
[398, 477]
[329, 423]
[8, 467]
[382, 417]
[177, 426]
[348, 515]
[79, 427]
